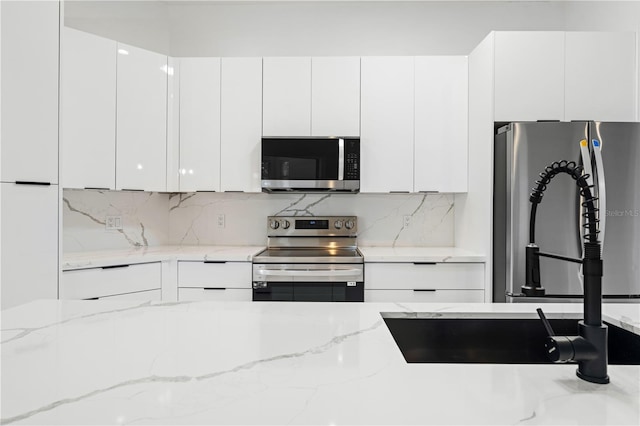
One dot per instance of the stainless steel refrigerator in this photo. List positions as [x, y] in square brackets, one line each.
[521, 152]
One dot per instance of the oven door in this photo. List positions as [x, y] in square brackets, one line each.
[308, 282]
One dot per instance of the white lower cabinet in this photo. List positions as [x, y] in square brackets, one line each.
[424, 282]
[131, 282]
[215, 294]
[29, 243]
[219, 281]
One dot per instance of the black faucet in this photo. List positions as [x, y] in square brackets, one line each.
[589, 348]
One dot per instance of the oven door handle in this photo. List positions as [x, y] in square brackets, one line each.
[312, 273]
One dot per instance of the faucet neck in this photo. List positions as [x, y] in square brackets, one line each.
[592, 272]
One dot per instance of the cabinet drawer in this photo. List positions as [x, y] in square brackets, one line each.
[216, 274]
[410, 276]
[108, 281]
[216, 294]
[435, 296]
[153, 295]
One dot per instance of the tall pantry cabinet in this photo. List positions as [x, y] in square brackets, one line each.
[29, 151]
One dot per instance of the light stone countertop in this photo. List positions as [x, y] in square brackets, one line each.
[124, 362]
[419, 254]
[95, 259]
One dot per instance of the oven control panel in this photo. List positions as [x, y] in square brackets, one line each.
[289, 226]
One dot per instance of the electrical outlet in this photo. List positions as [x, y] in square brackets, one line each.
[113, 223]
[221, 220]
[406, 221]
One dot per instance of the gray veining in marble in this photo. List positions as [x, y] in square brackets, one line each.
[337, 340]
[24, 332]
[151, 219]
[301, 211]
[144, 215]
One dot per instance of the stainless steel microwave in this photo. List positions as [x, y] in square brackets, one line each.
[306, 164]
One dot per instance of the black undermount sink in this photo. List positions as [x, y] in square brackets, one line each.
[493, 340]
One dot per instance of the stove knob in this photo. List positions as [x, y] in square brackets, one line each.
[350, 224]
[274, 224]
[285, 224]
[337, 224]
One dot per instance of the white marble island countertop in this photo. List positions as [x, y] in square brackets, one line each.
[120, 362]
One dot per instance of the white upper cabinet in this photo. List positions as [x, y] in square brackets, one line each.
[29, 243]
[88, 115]
[600, 76]
[441, 113]
[286, 97]
[141, 134]
[386, 144]
[529, 75]
[241, 124]
[335, 96]
[29, 84]
[199, 168]
[555, 75]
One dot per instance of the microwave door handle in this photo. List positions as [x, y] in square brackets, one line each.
[340, 159]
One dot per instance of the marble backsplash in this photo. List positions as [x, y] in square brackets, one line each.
[151, 219]
[193, 217]
[145, 219]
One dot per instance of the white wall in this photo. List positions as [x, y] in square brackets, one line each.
[347, 28]
[272, 28]
[139, 23]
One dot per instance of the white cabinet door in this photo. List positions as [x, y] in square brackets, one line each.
[386, 145]
[29, 37]
[214, 274]
[29, 243]
[110, 281]
[219, 281]
[424, 276]
[88, 115]
[600, 76]
[441, 115]
[215, 294]
[199, 168]
[286, 97]
[335, 96]
[241, 124]
[141, 119]
[529, 75]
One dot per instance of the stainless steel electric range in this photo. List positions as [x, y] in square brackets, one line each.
[312, 259]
